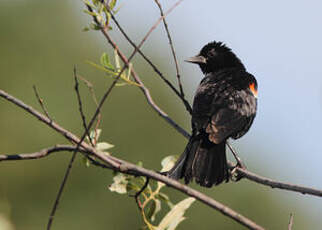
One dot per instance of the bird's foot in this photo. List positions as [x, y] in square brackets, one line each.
[234, 173]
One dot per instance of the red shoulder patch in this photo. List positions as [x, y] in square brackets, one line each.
[253, 89]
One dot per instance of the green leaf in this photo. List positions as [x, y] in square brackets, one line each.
[110, 72]
[96, 2]
[175, 215]
[132, 187]
[102, 68]
[112, 4]
[151, 210]
[86, 162]
[94, 26]
[87, 2]
[117, 60]
[105, 61]
[163, 197]
[85, 29]
[91, 13]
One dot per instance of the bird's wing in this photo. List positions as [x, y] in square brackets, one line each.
[221, 109]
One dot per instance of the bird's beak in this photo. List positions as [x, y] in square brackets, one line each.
[197, 60]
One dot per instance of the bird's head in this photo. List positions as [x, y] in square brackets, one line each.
[215, 56]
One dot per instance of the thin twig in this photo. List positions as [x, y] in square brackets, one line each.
[106, 94]
[239, 162]
[290, 223]
[247, 174]
[92, 92]
[146, 183]
[172, 48]
[126, 167]
[277, 184]
[155, 68]
[146, 91]
[80, 107]
[40, 154]
[61, 189]
[113, 161]
[137, 194]
[41, 102]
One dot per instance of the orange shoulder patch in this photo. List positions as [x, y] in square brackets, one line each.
[253, 89]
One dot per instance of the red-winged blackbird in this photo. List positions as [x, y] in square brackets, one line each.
[224, 106]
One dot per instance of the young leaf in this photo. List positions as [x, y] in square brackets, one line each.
[87, 2]
[175, 215]
[167, 163]
[120, 183]
[156, 209]
[102, 68]
[103, 146]
[163, 197]
[152, 208]
[94, 26]
[105, 61]
[91, 13]
[86, 162]
[85, 29]
[112, 4]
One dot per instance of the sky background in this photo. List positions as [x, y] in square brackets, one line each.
[278, 41]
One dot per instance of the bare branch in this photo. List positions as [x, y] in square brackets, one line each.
[146, 91]
[172, 48]
[247, 174]
[80, 106]
[106, 94]
[126, 167]
[277, 184]
[40, 154]
[41, 102]
[114, 161]
[155, 68]
[91, 90]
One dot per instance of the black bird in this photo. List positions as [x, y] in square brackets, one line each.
[224, 106]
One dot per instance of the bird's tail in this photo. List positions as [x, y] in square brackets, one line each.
[202, 160]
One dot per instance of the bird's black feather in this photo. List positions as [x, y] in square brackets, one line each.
[224, 106]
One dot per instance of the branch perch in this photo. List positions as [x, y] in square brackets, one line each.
[129, 168]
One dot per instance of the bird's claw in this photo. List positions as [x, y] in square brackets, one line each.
[236, 176]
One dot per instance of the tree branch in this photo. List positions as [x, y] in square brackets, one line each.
[172, 48]
[277, 184]
[106, 94]
[126, 167]
[71, 137]
[41, 102]
[40, 154]
[80, 107]
[155, 68]
[129, 168]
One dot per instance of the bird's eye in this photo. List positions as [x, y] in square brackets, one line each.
[211, 53]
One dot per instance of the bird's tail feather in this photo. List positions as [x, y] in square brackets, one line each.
[202, 160]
